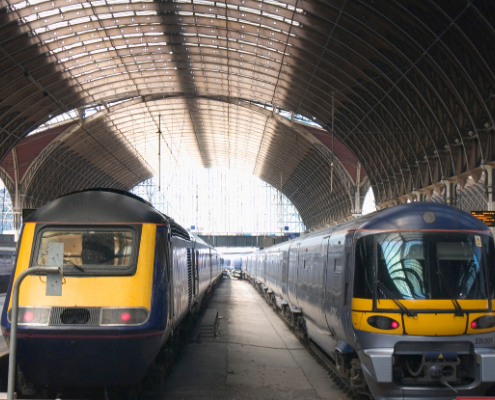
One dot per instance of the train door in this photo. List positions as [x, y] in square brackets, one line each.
[326, 251]
[285, 271]
[193, 271]
[293, 264]
[196, 271]
[190, 278]
[335, 264]
[264, 261]
[163, 253]
[302, 277]
[211, 266]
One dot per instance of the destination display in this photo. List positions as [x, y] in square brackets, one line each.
[488, 217]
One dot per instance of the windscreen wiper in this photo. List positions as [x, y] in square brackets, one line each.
[403, 308]
[458, 309]
[75, 265]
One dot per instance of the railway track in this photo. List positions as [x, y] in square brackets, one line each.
[318, 354]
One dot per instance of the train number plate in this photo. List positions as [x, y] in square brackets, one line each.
[487, 340]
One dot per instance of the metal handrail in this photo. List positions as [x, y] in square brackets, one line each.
[13, 323]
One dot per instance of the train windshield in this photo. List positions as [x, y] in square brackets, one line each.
[93, 248]
[423, 265]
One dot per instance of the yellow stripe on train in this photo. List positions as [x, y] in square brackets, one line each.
[422, 324]
[100, 291]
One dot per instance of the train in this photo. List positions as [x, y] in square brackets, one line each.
[7, 261]
[131, 276]
[400, 301]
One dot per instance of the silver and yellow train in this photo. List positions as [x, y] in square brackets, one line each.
[400, 300]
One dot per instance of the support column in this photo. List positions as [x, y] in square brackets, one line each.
[419, 196]
[489, 186]
[16, 203]
[450, 192]
[357, 192]
[489, 189]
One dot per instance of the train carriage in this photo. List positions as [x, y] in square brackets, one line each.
[130, 277]
[400, 300]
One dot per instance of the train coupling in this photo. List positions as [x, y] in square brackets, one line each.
[440, 366]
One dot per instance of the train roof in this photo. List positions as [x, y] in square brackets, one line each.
[98, 206]
[404, 217]
[413, 216]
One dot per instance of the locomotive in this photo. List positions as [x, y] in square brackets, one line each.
[400, 301]
[131, 275]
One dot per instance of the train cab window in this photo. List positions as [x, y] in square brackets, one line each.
[90, 250]
[422, 266]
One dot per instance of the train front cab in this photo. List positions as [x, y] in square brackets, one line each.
[422, 312]
[110, 321]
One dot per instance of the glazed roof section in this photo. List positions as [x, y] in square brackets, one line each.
[412, 83]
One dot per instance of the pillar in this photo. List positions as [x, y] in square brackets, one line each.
[450, 192]
[489, 189]
[489, 186]
[419, 196]
[16, 203]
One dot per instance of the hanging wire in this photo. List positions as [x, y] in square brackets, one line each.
[332, 160]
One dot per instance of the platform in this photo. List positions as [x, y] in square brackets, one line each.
[4, 349]
[255, 356]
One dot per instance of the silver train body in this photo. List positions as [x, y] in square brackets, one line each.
[360, 291]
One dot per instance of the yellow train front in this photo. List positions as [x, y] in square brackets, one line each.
[131, 275]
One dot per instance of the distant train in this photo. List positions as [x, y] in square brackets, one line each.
[131, 275]
[7, 262]
[401, 300]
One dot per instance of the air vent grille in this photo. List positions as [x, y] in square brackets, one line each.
[75, 316]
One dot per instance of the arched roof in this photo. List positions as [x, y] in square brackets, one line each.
[407, 88]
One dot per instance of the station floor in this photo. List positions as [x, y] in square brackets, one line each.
[255, 356]
[4, 349]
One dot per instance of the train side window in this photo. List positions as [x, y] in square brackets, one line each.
[338, 265]
[162, 257]
[363, 268]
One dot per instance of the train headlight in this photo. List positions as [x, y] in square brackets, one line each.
[380, 322]
[484, 322]
[111, 316]
[32, 315]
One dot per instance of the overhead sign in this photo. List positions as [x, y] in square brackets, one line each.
[488, 217]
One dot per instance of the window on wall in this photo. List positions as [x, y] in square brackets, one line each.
[221, 201]
[7, 220]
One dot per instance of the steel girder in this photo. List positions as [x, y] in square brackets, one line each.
[412, 81]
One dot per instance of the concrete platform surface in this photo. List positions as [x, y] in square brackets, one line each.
[4, 349]
[255, 356]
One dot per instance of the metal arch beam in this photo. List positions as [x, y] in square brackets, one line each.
[284, 55]
[237, 102]
[297, 129]
[8, 182]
